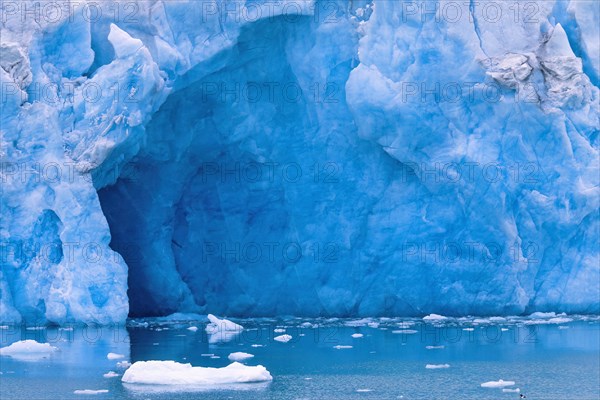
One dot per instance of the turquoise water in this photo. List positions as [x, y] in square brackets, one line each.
[546, 361]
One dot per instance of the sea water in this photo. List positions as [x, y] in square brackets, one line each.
[556, 359]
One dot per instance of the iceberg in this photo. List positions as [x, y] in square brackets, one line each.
[174, 373]
[287, 158]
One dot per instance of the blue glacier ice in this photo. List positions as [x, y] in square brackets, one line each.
[257, 158]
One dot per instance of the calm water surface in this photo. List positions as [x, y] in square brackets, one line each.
[547, 361]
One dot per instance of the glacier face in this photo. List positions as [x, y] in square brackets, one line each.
[311, 158]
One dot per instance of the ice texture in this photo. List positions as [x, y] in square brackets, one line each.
[417, 162]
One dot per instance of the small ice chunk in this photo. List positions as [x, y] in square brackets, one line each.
[221, 325]
[364, 390]
[90, 391]
[434, 347]
[240, 356]
[517, 390]
[257, 345]
[357, 335]
[174, 373]
[192, 328]
[110, 374]
[469, 329]
[434, 317]
[283, 338]
[221, 330]
[114, 356]
[340, 347]
[497, 384]
[28, 350]
[405, 331]
[279, 330]
[437, 366]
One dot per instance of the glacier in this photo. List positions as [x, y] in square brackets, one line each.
[311, 158]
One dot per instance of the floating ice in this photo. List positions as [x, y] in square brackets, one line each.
[192, 328]
[283, 338]
[110, 374]
[221, 325]
[222, 330]
[516, 390]
[114, 356]
[174, 373]
[28, 350]
[90, 391]
[357, 335]
[497, 384]
[434, 317]
[342, 347]
[437, 366]
[240, 356]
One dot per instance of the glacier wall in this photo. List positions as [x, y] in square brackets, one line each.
[294, 157]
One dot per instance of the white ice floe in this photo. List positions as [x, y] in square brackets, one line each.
[110, 374]
[279, 330]
[257, 345]
[517, 390]
[283, 338]
[469, 329]
[434, 347]
[497, 384]
[437, 366]
[192, 328]
[28, 350]
[114, 356]
[434, 317]
[364, 390]
[90, 391]
[340, 347]
[357, 335]
[240, 356]
[174, 373]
